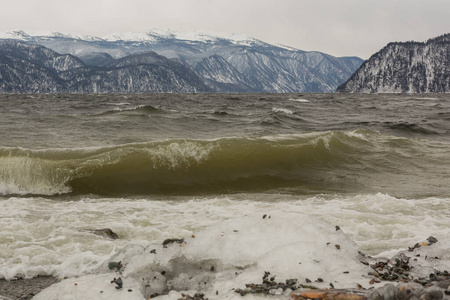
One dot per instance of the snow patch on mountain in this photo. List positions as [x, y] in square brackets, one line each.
[151, 36]
[155, 35]
[29, 35]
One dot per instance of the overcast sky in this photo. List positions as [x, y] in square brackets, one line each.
[338, 27]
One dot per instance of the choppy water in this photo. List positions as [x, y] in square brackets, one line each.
[121, 145]
[155, 166]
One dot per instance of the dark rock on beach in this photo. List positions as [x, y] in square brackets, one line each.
[401, 275]
[105, 232]
[197, 296]
[171, 241]
[270, 287]
[24, 289]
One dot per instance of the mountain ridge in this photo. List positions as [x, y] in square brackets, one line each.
[404, 67]
[246, 64]
[152, 36]
[30, 68]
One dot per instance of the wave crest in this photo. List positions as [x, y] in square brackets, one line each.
[304, 160]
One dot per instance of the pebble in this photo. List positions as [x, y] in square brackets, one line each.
[197, 296]
[118, 282]
[171, 241]
[432, 240]
[436, 286]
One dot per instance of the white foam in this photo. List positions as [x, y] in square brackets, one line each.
[177, 155]
[119, 104]
[283, 110]
[300, 100]
[119, 109]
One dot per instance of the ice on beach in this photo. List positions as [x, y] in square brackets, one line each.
[97, 286]
[226, 256]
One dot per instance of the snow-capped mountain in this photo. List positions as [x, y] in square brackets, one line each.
[409, 67]
[31, 68]
[156, 35]
[226, 62]
[152, 36]
[28, 36]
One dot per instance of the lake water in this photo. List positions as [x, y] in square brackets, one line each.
[207, 168]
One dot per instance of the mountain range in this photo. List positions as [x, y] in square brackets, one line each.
[407, 67]
[163, 61]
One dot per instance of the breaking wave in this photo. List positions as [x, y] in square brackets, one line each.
[140, 109]
[211, 166]
[282, 110]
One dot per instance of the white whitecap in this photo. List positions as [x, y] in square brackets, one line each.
[283, 110]
[119, 104]
[300, 100]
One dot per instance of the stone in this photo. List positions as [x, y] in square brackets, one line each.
[105, 232]
[118, 282]
[408, 291]
[388, 291]
[435, 292]
[171, 241]
[432, 240]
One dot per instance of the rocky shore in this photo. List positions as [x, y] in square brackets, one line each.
[413, 274]
[24, 289]
[404, 272]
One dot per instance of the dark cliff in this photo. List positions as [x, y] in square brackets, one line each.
[409, 67]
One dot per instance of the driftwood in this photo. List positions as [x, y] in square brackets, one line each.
[331, 294]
